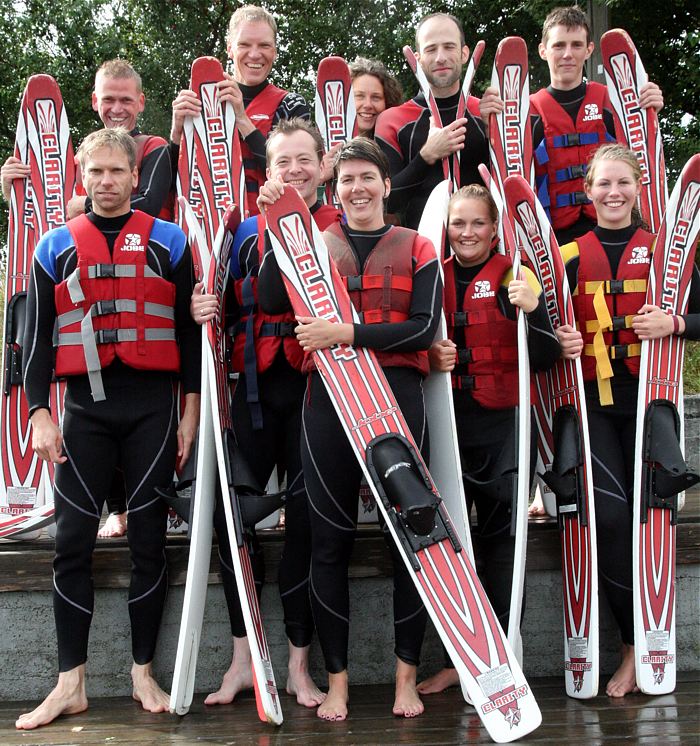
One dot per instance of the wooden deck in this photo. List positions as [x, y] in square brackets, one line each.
[636, 719]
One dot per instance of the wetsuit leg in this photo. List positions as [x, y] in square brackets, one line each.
[332, 479]
[612, 437]
[135, 429]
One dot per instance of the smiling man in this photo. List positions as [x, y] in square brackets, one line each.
[116, 283]
[118, 99]
[258, 104]
[406, 134]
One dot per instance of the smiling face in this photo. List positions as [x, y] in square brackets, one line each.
[253, 51]
[470, 230]
[109, 181]
[293, 159]
[361, 191]
[566, 51]
[441, 54]
[117, 101]
[613, 190]
[369, 101]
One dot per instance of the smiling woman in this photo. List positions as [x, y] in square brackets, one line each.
[375, 89]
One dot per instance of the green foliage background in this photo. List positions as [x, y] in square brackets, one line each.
[70, 39]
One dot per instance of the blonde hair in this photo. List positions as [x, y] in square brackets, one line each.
[617, 152]
[253, 14]
[110, 137]
[478, 192]
[118, 68]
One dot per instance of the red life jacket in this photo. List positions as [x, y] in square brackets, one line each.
[382, 292]
[491, 338]
[145, 144]
[114, 305]
[561, 159]
[261, 111]
[605, 306]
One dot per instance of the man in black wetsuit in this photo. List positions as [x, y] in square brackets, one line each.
[259, 105]
[117, 285]
[413, 144]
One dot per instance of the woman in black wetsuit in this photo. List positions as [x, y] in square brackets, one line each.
[617, 248]
[400, 332]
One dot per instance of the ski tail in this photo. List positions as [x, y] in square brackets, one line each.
[510, 134]
[636, 127]
[464, 101]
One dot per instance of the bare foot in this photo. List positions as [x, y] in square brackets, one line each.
[335, 705]
[115, 526]
[238, 677]
[299, 682]
[537, 506]
[67, 698]
[146, 690]
[407, 703]
[439, 682]
[623, 680]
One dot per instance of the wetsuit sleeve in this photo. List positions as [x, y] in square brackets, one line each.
[418, 331]
[272, 294]
[692, 318]
[38, 351]
[542, 344]
[189, 334]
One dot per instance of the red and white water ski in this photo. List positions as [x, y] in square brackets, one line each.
[569, 470]
[660, 469]
[37, 205]
[334, 111]
[209, 151]
[416, 518]
[635, 127]
[510, 134]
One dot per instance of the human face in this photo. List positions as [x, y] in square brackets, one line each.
[109, 181]
[117, 101]
[470, 231]
[614, 193]
[253, 51]
[293, 159]
[565, 52]
[369, 101]
[361, 191]
[441, 55]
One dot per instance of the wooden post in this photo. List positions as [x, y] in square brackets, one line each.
[598, 18]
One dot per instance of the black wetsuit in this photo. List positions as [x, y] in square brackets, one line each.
[134, 429]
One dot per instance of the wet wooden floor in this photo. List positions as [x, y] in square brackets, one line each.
[636, 719]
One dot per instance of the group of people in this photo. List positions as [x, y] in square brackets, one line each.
[127, 312]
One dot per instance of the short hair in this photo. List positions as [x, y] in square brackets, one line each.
[289, 127]
[478, 192]
[569, 16]
[253, 14]
[393, 93]
[110, 137]
[118, 68]
[362, 149]
[450, 17]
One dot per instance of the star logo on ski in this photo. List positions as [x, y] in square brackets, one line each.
[658, 676]
[513, 716]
